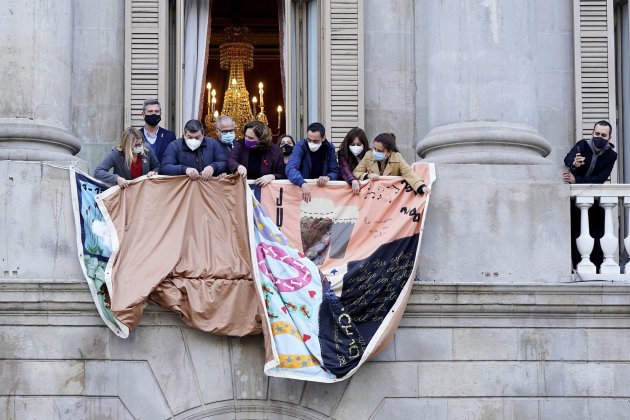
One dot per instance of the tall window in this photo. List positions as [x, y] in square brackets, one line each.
[285, 36]
[622, 36]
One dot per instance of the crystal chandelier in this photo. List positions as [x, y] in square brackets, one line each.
[237, 56]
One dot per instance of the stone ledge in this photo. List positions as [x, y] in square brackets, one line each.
[431, 305]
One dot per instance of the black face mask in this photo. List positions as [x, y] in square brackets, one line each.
[153, 119]
[599, 143]
[287, 149]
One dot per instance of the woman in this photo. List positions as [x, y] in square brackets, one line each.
[286, 146]
[351, 151]
[130, 159]
[386, 160]
[255, 156]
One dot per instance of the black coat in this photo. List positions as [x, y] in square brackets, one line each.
[603, 166]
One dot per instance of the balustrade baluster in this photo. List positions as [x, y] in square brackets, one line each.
[585, 242]
[626, 239]
[609, 242]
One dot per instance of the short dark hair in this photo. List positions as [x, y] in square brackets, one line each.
[604, 123]
[193, 126]
[317, 128]
[388, 140]
[150, 102]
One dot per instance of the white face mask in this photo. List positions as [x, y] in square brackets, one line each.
[314, 147]
[193, 143]
[356, 150]
[138, 149]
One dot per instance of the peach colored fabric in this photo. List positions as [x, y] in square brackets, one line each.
[184, 245]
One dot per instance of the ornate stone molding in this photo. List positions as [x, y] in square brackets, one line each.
[22, 139]
[456, 305]
[484, 142]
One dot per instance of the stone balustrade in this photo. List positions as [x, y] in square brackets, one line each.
[608, 197]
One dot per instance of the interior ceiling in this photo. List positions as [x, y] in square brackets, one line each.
[260, 16]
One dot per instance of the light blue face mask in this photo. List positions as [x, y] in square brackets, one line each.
[228, 138]
[379, 155]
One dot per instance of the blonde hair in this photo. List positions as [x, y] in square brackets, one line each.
[127, 142]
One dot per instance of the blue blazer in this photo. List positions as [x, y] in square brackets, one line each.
[178, 157]
[164, 138]
[299, 164]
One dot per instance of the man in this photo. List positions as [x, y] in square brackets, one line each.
[312, 158]
[194, 155]
[158, 137]
[590, 162]
[226, 133]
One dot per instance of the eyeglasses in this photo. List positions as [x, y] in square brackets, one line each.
[231, 130]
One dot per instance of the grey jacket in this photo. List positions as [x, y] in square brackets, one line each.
[116, 159]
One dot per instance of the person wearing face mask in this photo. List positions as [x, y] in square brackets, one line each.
[226, 133]
[385, 160]
[590, 162]
[130, 159]
[255, 156]
[194, 155]
[157, 137]
[286, 146]
[352, 149]
[312, 158]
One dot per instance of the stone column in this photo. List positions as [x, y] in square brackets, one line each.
[35, 107]
[481, 99]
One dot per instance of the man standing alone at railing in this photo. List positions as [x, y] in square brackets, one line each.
[590, 162]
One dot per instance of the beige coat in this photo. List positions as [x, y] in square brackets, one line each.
[396, 166]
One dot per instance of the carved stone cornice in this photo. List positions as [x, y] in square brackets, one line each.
[598, 305]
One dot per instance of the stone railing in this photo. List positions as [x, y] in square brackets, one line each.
[611, 198]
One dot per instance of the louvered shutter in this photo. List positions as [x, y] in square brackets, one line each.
[594, 64]
[145, 57]
[343, 66]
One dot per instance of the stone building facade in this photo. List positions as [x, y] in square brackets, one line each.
[494, 92]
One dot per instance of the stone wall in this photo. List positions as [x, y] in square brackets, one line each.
[462, 351]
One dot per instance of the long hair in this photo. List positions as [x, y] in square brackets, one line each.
[127, 141]
[262, 132]
[388, 140]
[344, 147]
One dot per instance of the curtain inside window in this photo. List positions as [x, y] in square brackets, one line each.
[196, 40]
[281, 48]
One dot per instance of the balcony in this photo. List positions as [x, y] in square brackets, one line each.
[614, 243]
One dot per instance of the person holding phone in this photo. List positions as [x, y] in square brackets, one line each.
[590, 162]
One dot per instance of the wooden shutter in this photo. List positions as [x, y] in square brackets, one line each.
[343, 66]
[594, 64]
[145, 57]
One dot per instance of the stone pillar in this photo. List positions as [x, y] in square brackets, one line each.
[35, 107]
[482, 105]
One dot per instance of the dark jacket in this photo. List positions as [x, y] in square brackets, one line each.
[227, 149]
[271, 162]
[178, 157]
[299, 164]
[346, 166]
[603, 165]
[164, 138]
[116, 159]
